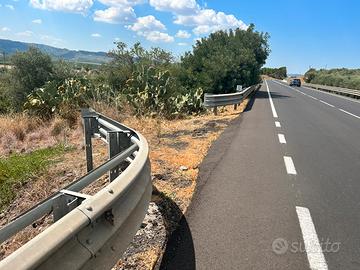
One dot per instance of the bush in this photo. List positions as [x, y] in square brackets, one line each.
[31, 69]
[150, 90]
[277, 73]
[348, 78]
[225, 59]
[64, 99]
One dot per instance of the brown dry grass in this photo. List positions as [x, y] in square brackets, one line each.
[173, 143]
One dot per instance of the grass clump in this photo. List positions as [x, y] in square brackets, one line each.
[17, 169]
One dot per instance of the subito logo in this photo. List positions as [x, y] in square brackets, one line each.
[280, 246]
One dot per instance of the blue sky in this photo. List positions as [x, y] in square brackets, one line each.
[317, 33]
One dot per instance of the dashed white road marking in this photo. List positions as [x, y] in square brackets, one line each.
[313, 97]
[271, 102]
[277, 124]
[332, 94]
[349, 113]
[312, 245]
[326, 103]
[281, 138]
[289, 164]
[297, 90]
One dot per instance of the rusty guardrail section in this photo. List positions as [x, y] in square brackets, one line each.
[216, 100]
[90, 232]
[336, 90]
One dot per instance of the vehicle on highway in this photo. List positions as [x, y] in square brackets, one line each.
[295, 82]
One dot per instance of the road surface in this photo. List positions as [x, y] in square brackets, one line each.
[282, 188]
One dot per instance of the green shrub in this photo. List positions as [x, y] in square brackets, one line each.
[151, 90]
[348, 78]
[61, 98]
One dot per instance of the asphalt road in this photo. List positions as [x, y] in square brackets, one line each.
[279, 190]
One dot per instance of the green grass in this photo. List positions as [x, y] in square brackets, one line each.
[18, 169]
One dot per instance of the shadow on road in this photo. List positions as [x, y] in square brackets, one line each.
[262, 94]
[179, 252]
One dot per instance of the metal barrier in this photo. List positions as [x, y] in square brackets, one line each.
[90, 232]
[215, 100]
[336, 90]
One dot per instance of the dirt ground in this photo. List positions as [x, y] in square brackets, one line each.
[177, 147]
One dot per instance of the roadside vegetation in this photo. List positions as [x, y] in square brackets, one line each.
[342, 77]
[17, 169]
[277, 73]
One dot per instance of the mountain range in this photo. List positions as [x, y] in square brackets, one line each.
[10, 47]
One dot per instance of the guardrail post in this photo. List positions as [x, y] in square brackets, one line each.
[235, 107]
[90, 127]
[118, 141]
[88, 144]
[215, 110]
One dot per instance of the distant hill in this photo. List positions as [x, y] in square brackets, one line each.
[10, 47]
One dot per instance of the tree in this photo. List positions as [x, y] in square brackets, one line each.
[277, 73]
[31, 69]
[224, 59]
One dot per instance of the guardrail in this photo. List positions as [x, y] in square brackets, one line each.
[90, 232]
[216, 100]
[336, 90]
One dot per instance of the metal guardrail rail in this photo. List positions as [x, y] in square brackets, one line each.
[336, 90]
[90, 232]
[216, 100]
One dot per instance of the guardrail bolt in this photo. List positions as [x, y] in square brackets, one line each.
[111, 191]
[89, 208]
[88, 241]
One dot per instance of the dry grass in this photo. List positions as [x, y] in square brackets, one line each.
[20, 133]
[173, 143]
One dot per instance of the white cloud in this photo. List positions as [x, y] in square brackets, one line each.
[96, 35]
[121, 3]
[75, 6]
[51, 40]
[5, 29]
[183, 44]
[146, 23]
[177, 6]
[118, 11]
[208, 20]
[37, 21]
[156, 36]
[115, 15]
[26, 33]
[183, 34]
[148, 27]
[10, 7]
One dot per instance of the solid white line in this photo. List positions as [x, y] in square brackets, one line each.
[271, 102]
[312, 245]
[326, 103]
[289, 164]
[349, 113]
[277, 124]
[281, 138]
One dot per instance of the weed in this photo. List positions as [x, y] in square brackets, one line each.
[17, 169]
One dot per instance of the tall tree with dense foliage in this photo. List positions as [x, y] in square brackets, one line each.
[225, 59]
